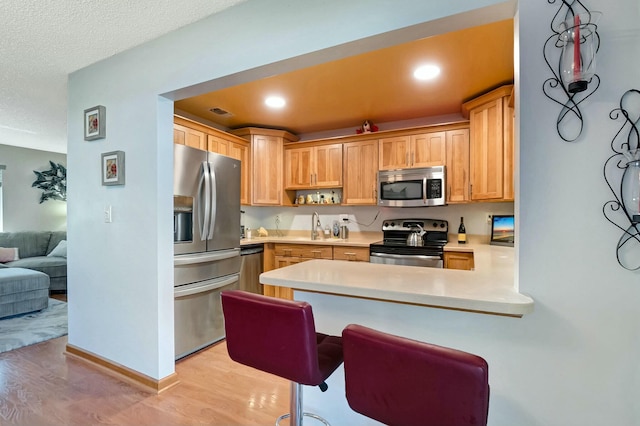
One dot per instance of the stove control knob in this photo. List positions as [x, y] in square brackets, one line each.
[442, 225]
[393, 224]
[435, 224]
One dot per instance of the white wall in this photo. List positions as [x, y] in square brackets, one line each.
[21, 203]
[574, 361]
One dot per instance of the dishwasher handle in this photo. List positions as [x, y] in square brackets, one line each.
[205, 286]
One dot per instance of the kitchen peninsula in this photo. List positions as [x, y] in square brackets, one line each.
[487, 289]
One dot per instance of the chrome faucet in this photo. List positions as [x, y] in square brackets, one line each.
[315, 225]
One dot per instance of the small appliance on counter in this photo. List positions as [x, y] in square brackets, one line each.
[411, 242]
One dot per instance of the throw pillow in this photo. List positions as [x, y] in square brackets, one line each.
[8, 254]
[60, 250]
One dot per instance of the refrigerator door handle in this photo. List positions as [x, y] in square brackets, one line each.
[205, 286]
[212, 216]
[182, 260]
[206, 204]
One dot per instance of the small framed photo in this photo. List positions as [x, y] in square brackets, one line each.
[113, 168]
[95, 123]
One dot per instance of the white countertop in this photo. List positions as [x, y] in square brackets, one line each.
[488, 289]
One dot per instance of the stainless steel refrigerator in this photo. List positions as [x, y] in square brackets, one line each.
[206, 234]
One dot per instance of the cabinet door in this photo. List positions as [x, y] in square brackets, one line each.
[266, 157]
[241, 152]
[298, 168]
[218, 145]
[457, 166]
[394, 152]
[328, 166]
[189, 137]
[360, 173]
[486, 151]
[454, 260]
[428, 149]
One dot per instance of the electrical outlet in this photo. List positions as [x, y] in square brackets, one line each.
[344, 217]
[489, 216]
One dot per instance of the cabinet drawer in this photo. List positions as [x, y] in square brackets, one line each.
[357, 254]
[304, 250]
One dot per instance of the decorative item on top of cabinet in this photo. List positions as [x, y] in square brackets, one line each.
[313, 166]
[360, 173]
[267, 148]
[491, 145]
[458, 260]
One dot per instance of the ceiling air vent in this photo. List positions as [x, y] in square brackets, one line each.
[220, 111]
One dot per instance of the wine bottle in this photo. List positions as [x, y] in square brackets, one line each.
[462, 232]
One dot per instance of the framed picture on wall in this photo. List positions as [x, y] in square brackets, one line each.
[113, 168]
[95, 123]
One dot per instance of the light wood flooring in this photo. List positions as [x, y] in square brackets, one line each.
[39, 385]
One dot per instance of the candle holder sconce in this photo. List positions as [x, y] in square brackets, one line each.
[624, 166]
[570, 53]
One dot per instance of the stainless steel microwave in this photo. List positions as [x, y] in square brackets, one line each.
[421, 187]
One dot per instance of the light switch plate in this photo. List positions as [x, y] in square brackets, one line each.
[107, 214]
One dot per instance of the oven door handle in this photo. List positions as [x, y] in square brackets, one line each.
[405, 256]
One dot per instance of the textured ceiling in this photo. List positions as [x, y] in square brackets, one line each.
[43, 41]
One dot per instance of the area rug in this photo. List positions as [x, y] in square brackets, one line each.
[27, 329]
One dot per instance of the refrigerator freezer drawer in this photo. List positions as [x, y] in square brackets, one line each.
[191, 268]
[198, 314]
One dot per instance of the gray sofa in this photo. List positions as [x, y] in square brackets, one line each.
[33, 250]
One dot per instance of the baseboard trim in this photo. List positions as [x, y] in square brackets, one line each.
[121, 372]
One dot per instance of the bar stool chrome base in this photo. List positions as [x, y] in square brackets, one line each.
[314, 416]
[295, 406]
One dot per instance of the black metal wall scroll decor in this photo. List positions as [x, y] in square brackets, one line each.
[624, 167]
[570, 54]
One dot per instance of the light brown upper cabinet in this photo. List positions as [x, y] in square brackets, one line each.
[360, 173]
[240, 151]
[313, 167]
[420, 150]
[457, 166]
[183, 135]
[267, 152]
[491, 145]
[220, 142]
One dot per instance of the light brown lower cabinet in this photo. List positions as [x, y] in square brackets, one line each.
[289, 254]
[351, 253]
[458, 260]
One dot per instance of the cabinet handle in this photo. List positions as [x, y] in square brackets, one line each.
[406, 160]
[412, 158]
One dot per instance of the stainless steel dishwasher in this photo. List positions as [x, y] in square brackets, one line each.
[251, 257]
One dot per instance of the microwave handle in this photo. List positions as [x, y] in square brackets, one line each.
[424, 190]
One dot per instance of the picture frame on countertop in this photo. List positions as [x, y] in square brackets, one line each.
[113, 168]
[502, 230]
[95, 123]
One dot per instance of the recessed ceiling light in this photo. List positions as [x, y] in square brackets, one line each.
[275, 102]
[426, 72]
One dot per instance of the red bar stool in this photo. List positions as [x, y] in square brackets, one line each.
[399, 381]
[278, 336]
